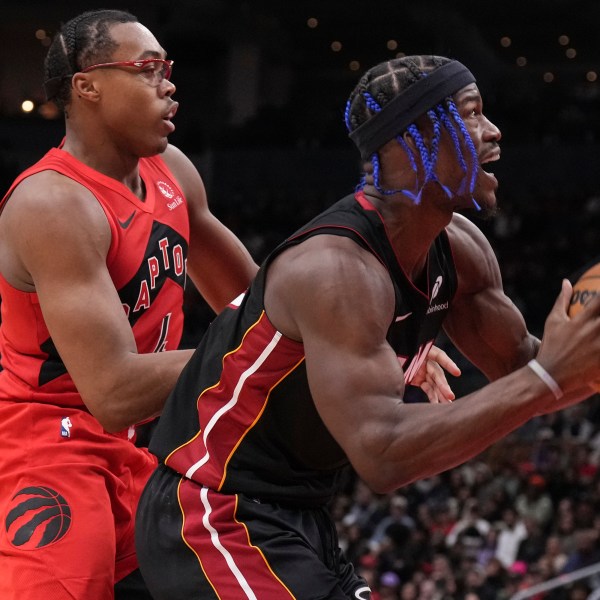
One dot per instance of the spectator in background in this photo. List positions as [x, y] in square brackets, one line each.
[365, 511]
[534, 543]
[586, 552]
[408, 591]
[564, 524]
[397, 507]
[470, 532]
[554, 554]
[512, 532]
[534, 502]
[579, 590]
[389, 586]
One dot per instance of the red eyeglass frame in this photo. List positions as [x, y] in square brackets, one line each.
[138, 64]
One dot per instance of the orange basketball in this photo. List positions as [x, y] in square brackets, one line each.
[585, 288]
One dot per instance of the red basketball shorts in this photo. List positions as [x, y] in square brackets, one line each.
[68, 496]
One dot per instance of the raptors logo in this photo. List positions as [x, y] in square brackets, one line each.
[38, 516]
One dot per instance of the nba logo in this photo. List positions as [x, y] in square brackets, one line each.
[65, 427]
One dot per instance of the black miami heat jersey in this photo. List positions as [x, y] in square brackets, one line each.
[238, 418]
[147, 264]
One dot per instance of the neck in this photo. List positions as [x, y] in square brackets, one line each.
[411, 228]
[105, 158]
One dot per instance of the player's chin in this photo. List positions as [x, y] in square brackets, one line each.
[158, 146]
[485, 192]
[162, 146]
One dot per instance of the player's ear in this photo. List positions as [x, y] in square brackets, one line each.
[85, 85]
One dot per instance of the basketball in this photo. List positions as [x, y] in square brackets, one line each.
[584, 289]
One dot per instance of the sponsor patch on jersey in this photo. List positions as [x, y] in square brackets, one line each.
[38, 516]
[173, 200]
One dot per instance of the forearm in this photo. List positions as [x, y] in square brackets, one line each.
[220, 266]
[136, 389]
[416, 446]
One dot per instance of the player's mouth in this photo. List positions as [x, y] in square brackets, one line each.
[485, 162]
[172, 111]
[169, 115]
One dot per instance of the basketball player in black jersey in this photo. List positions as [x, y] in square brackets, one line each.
[308, 371]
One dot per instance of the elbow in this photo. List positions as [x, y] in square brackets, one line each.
[385, 466]
[111, 414]
[111, 422]
[380, 473]
[385, 479]
[112, 425]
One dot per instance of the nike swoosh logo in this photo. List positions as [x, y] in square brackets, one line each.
[402, 317]
[125, 224]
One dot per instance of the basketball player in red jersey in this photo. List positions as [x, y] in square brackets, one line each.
[96, 241]
[308, 373]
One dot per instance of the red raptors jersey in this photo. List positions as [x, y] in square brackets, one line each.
[146, 261]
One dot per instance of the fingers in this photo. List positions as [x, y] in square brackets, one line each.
[564, 298]
[431, 393]
[570, 349]
[437, 384]
[432, 376]
[439, 356]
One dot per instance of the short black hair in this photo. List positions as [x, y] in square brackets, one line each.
[81, 42]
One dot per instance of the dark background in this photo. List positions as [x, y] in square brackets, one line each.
[262, 97]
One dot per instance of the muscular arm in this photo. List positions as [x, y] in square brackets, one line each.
[56, 238]
[483, 323]
[338, 300]
[218, 263]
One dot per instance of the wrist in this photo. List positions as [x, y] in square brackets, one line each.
[550, 382]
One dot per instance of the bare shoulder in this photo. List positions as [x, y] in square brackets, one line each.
[465, 235]
[46, 214]
[328, 275]
[186, 174]
[173, 156]
[49, 204]
[332, 258]
[48, 194]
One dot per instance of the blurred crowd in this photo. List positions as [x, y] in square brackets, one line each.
[521, 513]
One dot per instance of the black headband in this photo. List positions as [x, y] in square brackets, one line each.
[405, 108]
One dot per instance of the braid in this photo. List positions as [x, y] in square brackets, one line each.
[421, 147]
[452, 131]
[463, 128]
[383, 83]
[70, 38]
[374, 107]
[82, 41]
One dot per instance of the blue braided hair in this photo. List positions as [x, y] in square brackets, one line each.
[379, 86]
